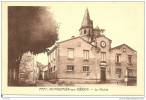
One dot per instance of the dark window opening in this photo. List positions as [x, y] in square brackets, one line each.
[84, 31]
[70, 67]
[118, 58]
[85, 68]
[118, 72]
[130, 59]
[86, 54]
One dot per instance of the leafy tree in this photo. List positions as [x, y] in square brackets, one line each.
[30, 28]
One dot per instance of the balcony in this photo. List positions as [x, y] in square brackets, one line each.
[103, 63]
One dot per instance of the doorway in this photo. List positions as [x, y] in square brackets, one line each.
[102, 74]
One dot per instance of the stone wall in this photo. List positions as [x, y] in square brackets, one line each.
[78, 75]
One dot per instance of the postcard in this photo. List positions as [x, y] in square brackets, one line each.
[73, 48]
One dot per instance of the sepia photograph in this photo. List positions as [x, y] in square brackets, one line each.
[78, 46]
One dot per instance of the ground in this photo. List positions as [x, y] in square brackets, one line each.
[47, 83]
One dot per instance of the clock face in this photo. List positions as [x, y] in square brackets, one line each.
[103, 44]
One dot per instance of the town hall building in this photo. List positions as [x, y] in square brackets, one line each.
[89, 58]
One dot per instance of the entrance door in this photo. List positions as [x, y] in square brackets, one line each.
[103, 74]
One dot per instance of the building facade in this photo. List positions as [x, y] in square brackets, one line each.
[89, 58]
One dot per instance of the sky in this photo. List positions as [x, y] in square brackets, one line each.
[123, 21]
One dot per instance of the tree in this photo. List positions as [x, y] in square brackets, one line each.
[30, 28]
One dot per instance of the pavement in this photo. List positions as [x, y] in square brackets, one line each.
[44, 83]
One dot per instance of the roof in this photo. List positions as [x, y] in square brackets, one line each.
[118, 47]
[87, 22]
[70, 39]
[51, 50]
[91, 44]
[55, 46]
[105, 37]
[74, 38]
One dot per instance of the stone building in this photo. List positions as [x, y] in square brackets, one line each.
[28, 70]
[43, 70]
[89, 58]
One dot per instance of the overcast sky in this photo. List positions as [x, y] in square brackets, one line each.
[123, 22]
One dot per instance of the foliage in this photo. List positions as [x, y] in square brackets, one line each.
[30, 28]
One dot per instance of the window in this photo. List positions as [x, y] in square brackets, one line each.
[84, 31]
[130, 72]
[85, 68]
[130, 59]
[54, 68]
[54, 54]
[70, 53]
[103, 56]
[70, 67]
[86, 54]
[118, 58]
[118, 72]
